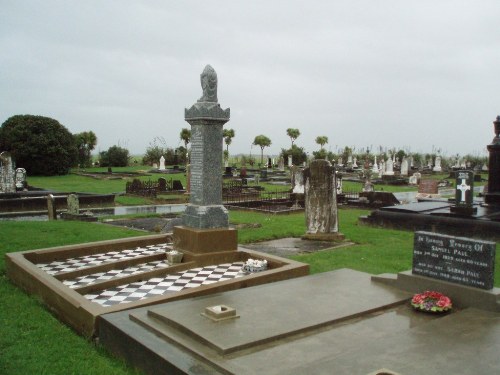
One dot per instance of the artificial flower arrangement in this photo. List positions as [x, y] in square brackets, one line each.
[430, 301]
[174, 256]
[255, 265]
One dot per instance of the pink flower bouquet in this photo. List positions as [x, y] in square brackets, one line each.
[429, 301]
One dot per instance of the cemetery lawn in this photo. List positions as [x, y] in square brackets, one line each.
[33, 341]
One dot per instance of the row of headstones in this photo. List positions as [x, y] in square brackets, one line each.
[11, 180]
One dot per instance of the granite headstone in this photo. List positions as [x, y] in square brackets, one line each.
[458, 260]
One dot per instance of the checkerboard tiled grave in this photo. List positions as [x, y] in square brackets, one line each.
[142, 289]
[171, 283]
[73, 264]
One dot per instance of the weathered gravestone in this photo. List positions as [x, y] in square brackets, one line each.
[73, 204]
[458, 260]
[464, 193]
[321, 202]
[437, 164]
[177, 185]
[7, 182]
[281, 164]
[389, 167]
[205, 220]
[428, 189]
[20, 179]
[162, 163]
[162, 184]
[375, 165]
[404, 167]
[297, 180]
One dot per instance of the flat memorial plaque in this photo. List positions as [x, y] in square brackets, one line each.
[458, 260]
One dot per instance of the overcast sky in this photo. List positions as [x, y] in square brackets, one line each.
[414, 75]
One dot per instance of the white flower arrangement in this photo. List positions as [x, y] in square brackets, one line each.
[255, 265]
[174, 256]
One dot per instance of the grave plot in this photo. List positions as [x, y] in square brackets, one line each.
[79, 283]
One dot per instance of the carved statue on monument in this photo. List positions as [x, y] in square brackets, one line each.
[209, 85]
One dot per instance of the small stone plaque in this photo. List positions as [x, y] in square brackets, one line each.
[458, 260]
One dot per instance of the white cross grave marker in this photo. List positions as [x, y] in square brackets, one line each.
[463, 187]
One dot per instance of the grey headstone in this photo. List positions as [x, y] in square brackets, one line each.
[320, 198]
[404, 167]
[73, 204]
[297, 180]
[7, 178]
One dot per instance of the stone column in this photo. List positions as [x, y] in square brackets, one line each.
[493, 194]
[205, 209]
[205, 221]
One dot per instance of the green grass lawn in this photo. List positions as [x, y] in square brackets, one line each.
[32, 340]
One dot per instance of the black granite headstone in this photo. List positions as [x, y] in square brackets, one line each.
[464, 188]
[177, 185]
[458, 260]
[464, 193]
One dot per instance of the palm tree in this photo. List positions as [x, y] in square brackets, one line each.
[262, 141]
[228, 135]
[85, 142]
[186, 137]
[322, 140]
[293, 134]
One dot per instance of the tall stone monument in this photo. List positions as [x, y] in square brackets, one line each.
[205, 222]
[493, 195]
[321, 202]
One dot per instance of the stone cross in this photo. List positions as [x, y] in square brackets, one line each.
[463, 187]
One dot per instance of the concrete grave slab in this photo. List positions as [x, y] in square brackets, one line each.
[282, 327]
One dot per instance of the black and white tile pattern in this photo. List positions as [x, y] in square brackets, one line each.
[72, 264]
[108, 275]
[171, 283]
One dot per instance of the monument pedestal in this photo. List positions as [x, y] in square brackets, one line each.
[466, 211]
[205, 241]
[333, 237]
[205, 217]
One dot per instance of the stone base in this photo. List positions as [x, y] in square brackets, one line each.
[462, 296]
[79, 217]
[492, 199]
[334, 237]
[204, 241]
[466, 211]
[205, 217]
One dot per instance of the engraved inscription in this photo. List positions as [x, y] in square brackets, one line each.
[456, 259]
